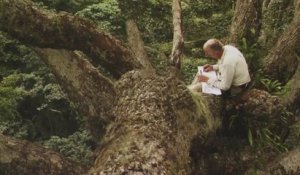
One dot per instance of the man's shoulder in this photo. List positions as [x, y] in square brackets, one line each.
[232, 55]
[230, 47]
[232, 51]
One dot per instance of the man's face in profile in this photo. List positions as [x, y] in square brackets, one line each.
[211, 53]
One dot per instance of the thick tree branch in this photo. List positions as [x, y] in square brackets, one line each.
[137, 45]
[245, 21]
[92, 93]
[297, 9]
[178, 41]
[281, 62]
[292, 98]
[42, 28]
[287, 163]
[23, 157]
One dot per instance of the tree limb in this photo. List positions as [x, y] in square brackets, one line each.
[292, 98]
[246, 18]
[43, 28]
[281, 62]
[92, 93]
[23, 157]
[136, 43]
[286, 163]
[178, 41]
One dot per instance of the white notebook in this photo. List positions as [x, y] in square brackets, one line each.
[205, 87]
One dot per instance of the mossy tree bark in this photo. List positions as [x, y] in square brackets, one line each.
[281, 62]
[292, 98]
[245, 23]
[275, 16]
[23, 157]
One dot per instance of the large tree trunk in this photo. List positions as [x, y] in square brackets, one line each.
[274, 18]
[281, 62]
[23, 157]
[292, 98]
[156, 120]
[246, 21]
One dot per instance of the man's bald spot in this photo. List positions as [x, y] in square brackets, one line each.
[213, 44]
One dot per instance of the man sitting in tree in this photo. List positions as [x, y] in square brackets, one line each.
[232, 69]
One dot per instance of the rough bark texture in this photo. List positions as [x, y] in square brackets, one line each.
[137, 45]
[281, 62]
[178, 41]
[274, 17]
[285, 164]
[245, 21]
[297, 8]
[292, 98]
[23, 157]
[84, 85]
[229, 152]
[156, 119]
[37, 27]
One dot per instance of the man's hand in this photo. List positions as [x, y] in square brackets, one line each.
[202, 78]
[207, 68]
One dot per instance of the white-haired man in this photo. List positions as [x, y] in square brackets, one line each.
[232, 69]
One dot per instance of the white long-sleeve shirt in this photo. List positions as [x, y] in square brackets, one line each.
[232, 69]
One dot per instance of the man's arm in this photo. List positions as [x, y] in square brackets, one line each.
[215, 67]
[225, 80]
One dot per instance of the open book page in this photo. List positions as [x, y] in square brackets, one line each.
[205, 87]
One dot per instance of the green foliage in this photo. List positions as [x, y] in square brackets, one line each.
[273, 86]
[10, 95]
[159, 56]
[66, 5]
[17, 58]
[53, 114]
[190, 67]
[76, 146]
[36, 110]
[107, 15]
[276, 18]
[251, 53]
[206, 19]
[268, 139]
[153, 17]
[267, 133]
[32, 105]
